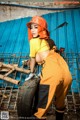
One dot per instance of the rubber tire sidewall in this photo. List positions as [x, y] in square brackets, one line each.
[25, 98]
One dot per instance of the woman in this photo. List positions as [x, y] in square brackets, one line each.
[55, 75]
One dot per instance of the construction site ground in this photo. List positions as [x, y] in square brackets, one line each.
[8, 99]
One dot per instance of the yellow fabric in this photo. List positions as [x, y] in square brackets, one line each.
[38, 45]
[56, 74]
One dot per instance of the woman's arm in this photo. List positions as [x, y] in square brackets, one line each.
[32, 64]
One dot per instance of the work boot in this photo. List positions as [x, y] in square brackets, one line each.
[59, 116]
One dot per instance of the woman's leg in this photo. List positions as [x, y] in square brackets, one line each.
[50, 79]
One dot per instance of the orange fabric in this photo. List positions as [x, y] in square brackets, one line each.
[42, 27]
[56, 74]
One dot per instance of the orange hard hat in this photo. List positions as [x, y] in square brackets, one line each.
[42, 27]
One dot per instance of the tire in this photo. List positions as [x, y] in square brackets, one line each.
[26, 98]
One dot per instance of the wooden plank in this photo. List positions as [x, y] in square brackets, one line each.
[8, 79]
[12, 66]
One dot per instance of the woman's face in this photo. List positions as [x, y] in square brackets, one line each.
[34, 30]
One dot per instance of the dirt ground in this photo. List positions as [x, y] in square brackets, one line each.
[8, 98]
[51, 116]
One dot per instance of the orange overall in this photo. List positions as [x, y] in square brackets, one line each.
[55, 80]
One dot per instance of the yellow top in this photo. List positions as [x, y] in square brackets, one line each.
[38, 45]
